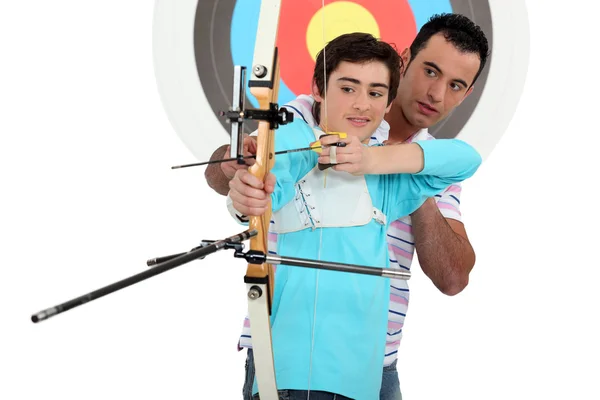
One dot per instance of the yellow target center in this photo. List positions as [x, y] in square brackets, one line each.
[340, 17]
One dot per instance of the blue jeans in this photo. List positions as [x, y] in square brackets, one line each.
[390, 386]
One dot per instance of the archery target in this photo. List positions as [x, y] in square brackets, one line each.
[222, 34]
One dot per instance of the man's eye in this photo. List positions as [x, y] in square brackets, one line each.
[376, 94]
[455, 87]
[429, 72]
[347, 89]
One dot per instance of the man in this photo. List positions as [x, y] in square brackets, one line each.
[440, 69]
[334, 216]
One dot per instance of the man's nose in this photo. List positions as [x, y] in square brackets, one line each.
[436, 91]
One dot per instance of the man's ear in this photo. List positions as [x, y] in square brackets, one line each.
[469, 91]
[315, 91]
[405, 56]
[387, 110]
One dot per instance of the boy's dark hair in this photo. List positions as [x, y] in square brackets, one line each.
[458, 30]
[355, 48]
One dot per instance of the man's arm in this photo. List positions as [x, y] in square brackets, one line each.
[445, 253]
[215, 177]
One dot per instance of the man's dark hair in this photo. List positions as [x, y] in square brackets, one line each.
[458, 30]
[355, 48]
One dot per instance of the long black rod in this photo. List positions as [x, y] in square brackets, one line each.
[333, 266]
[158, 269]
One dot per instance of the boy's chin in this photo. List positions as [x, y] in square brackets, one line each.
[361, 133]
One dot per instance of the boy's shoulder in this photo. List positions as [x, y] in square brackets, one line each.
[294, 135]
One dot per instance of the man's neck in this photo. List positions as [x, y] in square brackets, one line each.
[400, 128]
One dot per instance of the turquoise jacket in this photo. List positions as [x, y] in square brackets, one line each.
[329, 328]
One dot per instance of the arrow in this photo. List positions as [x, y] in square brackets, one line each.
[339, 144]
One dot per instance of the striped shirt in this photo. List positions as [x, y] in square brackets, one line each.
[400, 239]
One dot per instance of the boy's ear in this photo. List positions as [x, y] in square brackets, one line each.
[315, 91]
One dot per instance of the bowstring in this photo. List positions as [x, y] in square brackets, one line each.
[324, 122]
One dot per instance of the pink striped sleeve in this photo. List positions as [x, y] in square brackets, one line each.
[449, 202]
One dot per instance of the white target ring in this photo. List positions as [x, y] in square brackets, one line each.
[194, 122]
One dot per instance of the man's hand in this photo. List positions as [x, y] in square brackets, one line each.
[353, 158]
[249, 195]
[230, 168]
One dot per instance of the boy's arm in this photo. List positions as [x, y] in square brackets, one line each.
[426, 167]
[450, 159]
[445, 158]
[247, 196]
[445, 161]
[394, 159]
[291, 167]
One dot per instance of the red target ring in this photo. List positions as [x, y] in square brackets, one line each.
[395, 20]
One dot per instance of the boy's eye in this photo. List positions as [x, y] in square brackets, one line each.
[429, 72]
[347, 89]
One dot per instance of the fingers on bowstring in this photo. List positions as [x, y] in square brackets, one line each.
[345, 167]
[324, 159]
[332, 138]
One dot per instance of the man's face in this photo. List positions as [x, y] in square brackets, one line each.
[357, 96]
[437, 80]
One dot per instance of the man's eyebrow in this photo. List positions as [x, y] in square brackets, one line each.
[357, 82]
[434, 66]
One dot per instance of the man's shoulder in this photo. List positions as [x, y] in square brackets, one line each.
[301, 106]
[297, 133]
[423, 134]
[381, 134]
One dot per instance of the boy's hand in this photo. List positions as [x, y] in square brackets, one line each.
[249, 195]
[352, 158]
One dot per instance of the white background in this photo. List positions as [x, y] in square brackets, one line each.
[87, 195]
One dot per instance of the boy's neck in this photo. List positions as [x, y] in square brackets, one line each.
[400, 128]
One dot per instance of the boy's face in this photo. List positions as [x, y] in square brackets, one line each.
[357, 96]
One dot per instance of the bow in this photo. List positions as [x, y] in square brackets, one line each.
[259, 278]
[264, 85]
